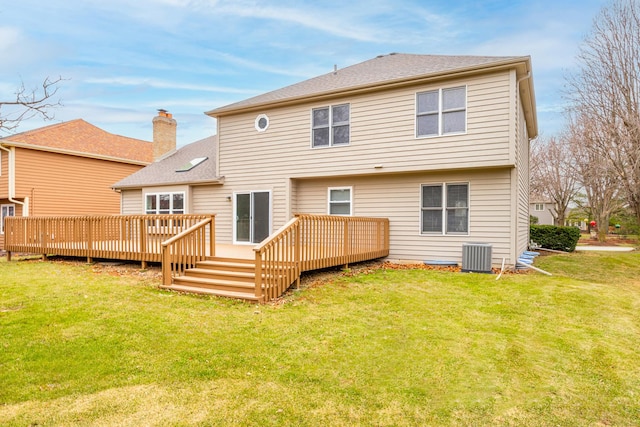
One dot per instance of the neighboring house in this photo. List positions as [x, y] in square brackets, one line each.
[437, 144]
[542, 209]
[65, 169]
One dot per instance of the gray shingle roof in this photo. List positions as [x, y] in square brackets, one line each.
[163, 172]
[383, 69]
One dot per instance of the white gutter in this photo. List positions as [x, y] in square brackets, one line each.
[11, 162]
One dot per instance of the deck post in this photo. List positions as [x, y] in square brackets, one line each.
[297, 248]
[212, 236]
[143, 239]
[8, 256]
[166, 266]
[89, 238]
[258, 278]
[346, 247]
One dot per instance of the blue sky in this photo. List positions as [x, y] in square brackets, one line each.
[124, 59]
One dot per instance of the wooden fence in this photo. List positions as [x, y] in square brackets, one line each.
[128, 237]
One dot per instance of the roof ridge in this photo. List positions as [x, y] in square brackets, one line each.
[375, 72]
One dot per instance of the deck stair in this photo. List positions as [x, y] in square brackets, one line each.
[225, 277]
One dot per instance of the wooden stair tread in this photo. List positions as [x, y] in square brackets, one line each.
[207, 291]
[229, 274]
[214, 282]
[240, 261]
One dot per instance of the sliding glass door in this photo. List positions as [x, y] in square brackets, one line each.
[252, 216]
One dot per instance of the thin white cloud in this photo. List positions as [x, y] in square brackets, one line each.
[164, 84]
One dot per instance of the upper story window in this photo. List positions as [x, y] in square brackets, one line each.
[330, 126]
[164, 203]
[340, 201]
[441, 111]
[539, 207]
[445, 208]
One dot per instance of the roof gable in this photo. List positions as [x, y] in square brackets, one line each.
[81, 137]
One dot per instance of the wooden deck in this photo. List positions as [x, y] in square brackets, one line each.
[192, 262]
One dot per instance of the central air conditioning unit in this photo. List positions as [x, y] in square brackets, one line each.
[476, 257]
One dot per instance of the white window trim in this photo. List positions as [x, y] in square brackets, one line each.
[7, 205]
[536, 205]
[443, 208]
[350, 200]
[440, 111]
[257, 123]
[331, 125]
[170, 193]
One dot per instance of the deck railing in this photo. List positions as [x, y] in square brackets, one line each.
[128, 237]
[184, 250]
[310, 242]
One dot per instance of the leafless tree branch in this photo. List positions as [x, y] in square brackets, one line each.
[29, 103]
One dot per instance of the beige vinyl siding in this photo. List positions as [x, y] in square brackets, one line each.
[397, 197]
[212, 199]
[382, 127]
[131, 202]
[59, 184]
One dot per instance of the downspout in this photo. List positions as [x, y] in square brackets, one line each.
[11, 181]
[515, 243]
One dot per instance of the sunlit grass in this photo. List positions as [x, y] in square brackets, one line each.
[384, 347]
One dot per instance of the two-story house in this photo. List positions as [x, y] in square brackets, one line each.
[65, 169]
[437, 144]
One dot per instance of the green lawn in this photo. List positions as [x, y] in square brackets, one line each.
[84, 346]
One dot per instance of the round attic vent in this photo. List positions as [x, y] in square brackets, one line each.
[262, 122]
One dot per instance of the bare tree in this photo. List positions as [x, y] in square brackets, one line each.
[29, 103]
[600, 183]
[553, 175]
[606, 91]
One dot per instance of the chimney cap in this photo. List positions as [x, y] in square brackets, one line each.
[164, 113]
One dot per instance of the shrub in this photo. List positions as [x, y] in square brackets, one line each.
[554, 237]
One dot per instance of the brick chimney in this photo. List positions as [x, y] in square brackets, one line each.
[164, 134]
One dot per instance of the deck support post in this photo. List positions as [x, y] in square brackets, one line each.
[143, 265]
[89, 260]
[258, 277]
[8, 256]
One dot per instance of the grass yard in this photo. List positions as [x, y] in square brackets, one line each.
[81, 345]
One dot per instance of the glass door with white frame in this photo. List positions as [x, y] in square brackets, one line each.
[252, 216]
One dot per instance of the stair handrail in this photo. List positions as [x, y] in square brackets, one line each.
[277, 260]
[185, 249]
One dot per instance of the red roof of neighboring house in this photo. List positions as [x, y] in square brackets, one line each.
[80, 136]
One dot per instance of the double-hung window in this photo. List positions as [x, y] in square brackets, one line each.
[340, 201]
[5, 211]
[441, 111]
[330, 126]
[445, 208]
[164, 203]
